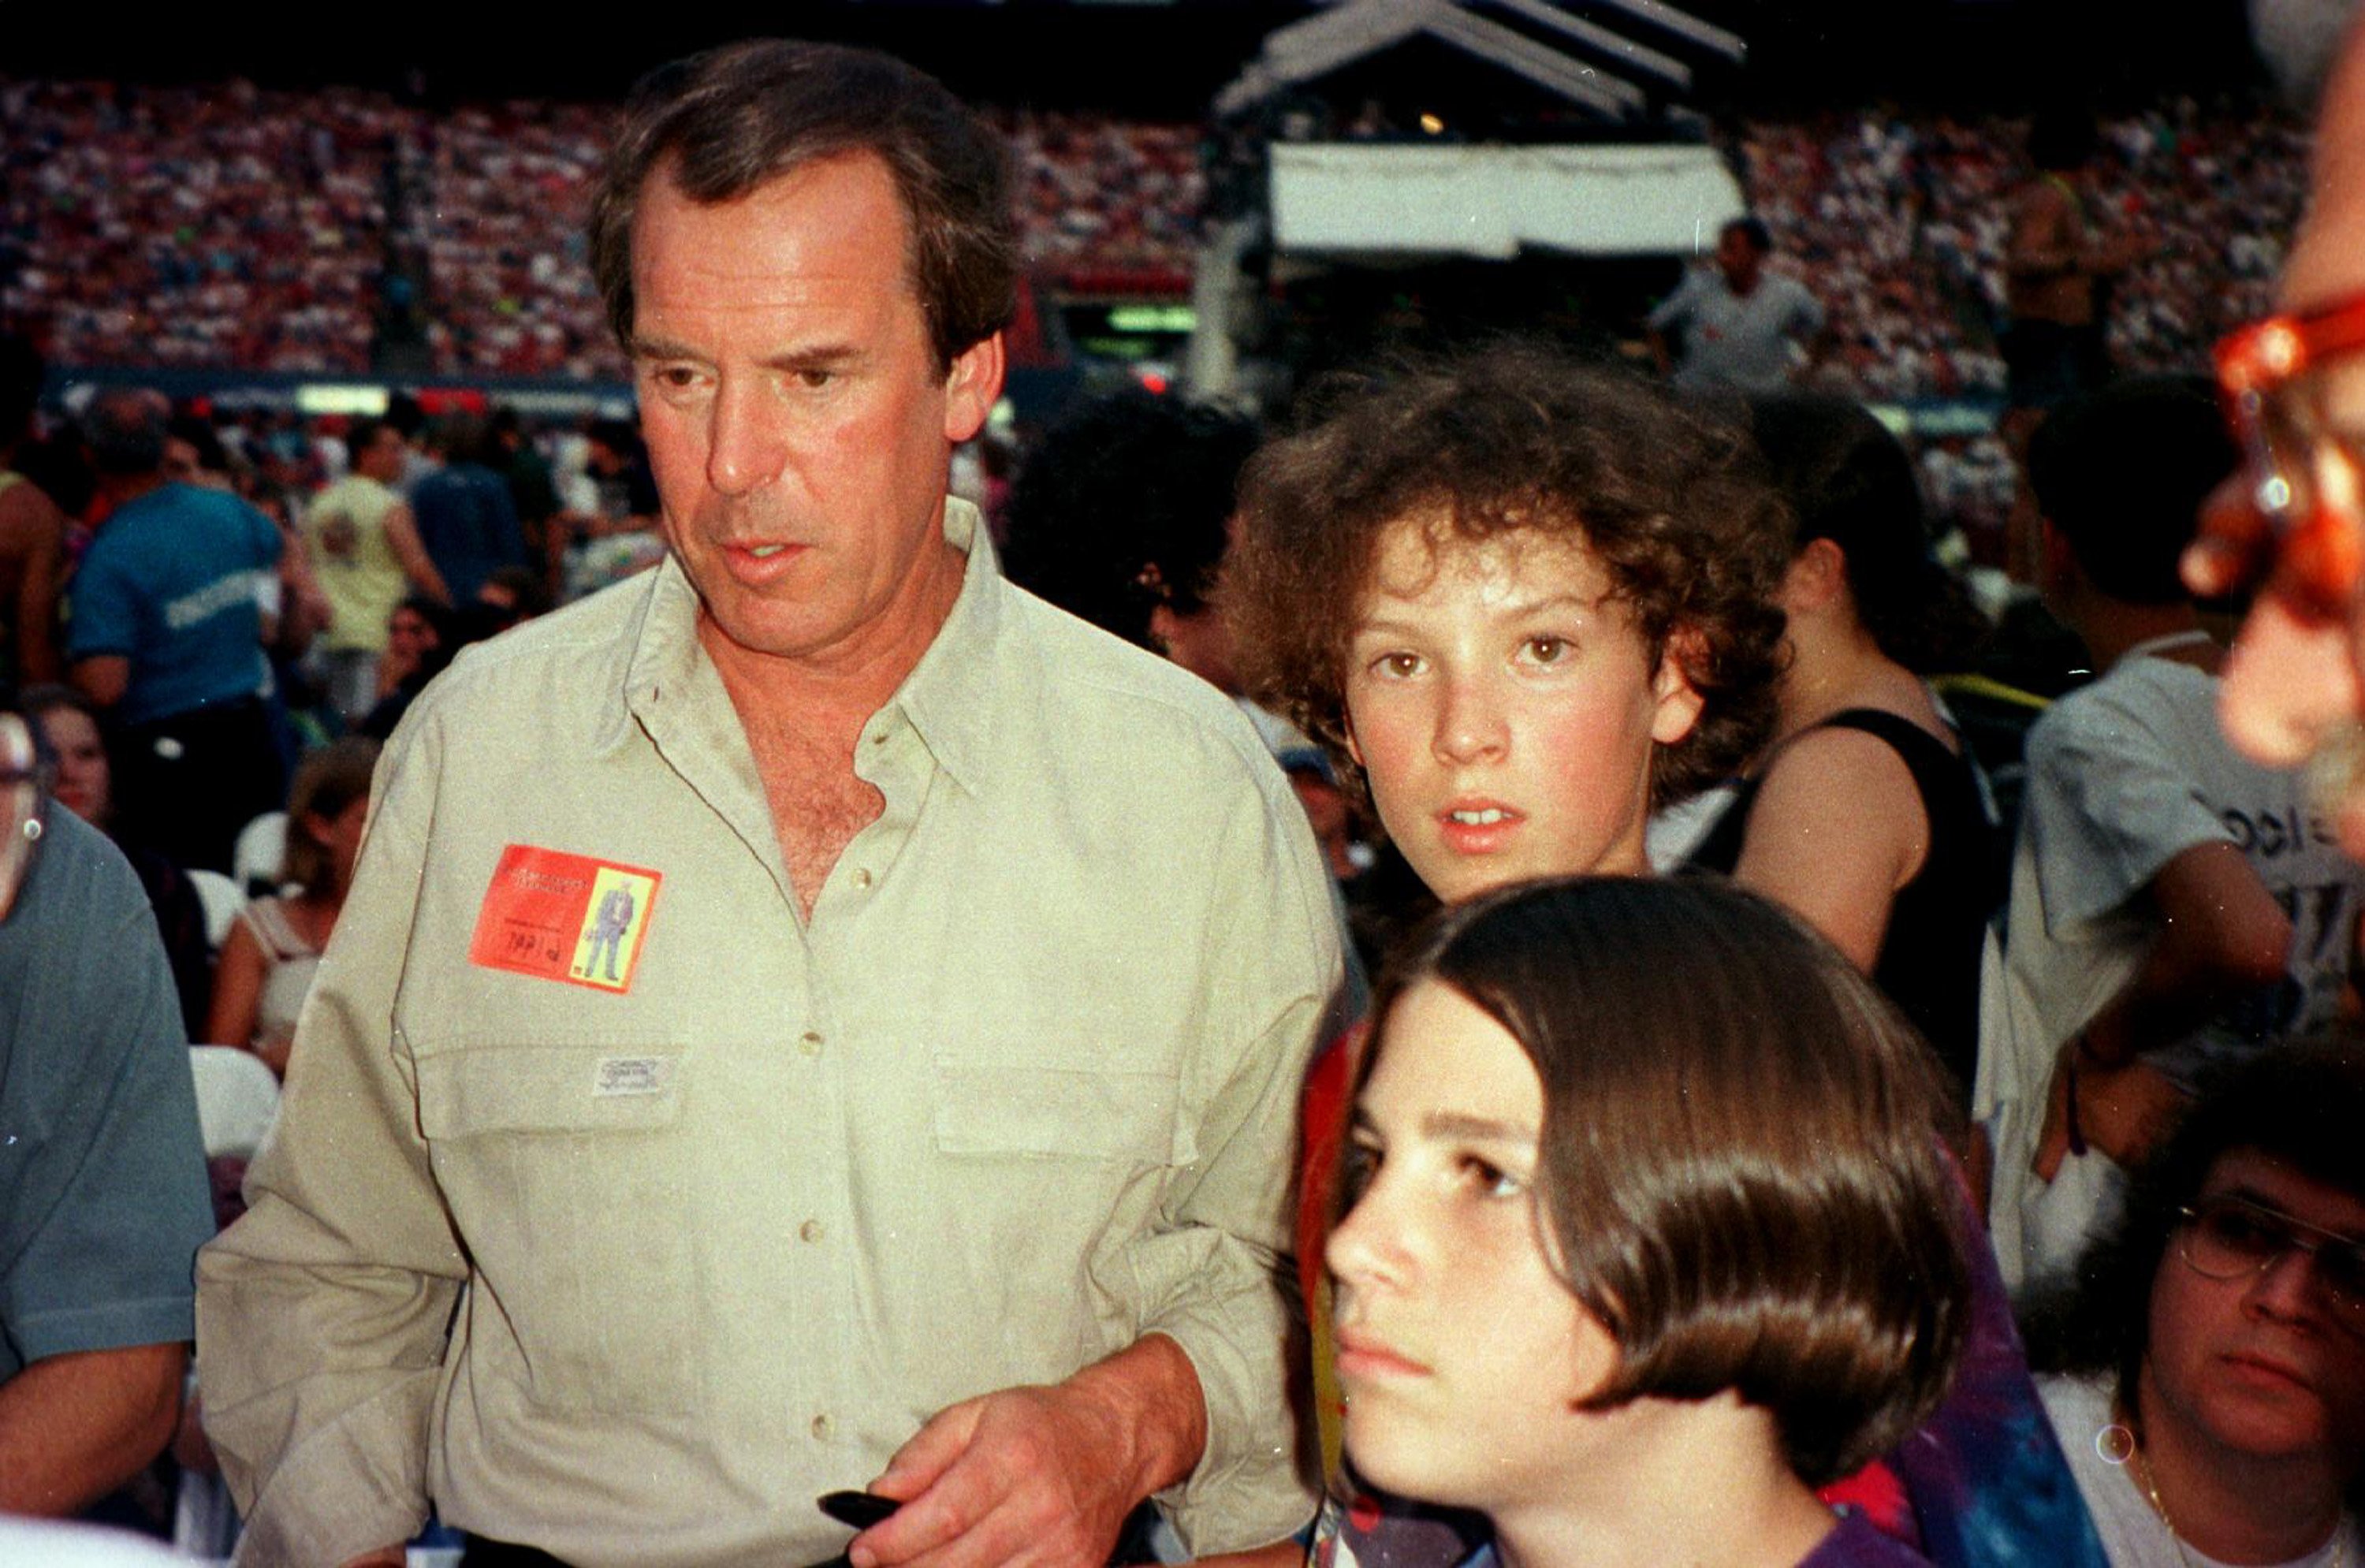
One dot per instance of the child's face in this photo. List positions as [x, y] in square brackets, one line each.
[1505, 709]
[1462, 1352]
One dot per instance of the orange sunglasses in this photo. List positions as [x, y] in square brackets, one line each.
[2297, 512]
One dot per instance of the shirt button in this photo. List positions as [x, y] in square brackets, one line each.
[880, 738]
[861, 877]
[822, 1427]
[809, 1231]
[809, 1043]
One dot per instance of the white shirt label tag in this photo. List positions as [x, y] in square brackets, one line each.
[632, 1075]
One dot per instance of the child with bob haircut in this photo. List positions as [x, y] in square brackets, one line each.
[1530, 599]
[1641, 1249]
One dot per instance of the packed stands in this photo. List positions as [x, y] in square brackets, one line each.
[1897, 222]
[271, 230]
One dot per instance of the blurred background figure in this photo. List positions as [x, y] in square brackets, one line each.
[170, 610]
[1122, 516]
[67, 723]
[420, 638]
[464, 513]
[1742, 326]
[368, 555]
[32, 532]
[268, 963]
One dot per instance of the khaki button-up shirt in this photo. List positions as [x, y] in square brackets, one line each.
[632, 1269]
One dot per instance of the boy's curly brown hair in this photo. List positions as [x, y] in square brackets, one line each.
[1493, 442]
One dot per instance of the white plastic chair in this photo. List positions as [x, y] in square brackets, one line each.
[261, 850]
[238, 1103]
[238, 1098]
[222, 901]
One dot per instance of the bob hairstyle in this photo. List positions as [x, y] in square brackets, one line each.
[1512, 438]
[2300, 1104]
[1741, 1174]
[723, 123]
[327, 781]
[1848, 479]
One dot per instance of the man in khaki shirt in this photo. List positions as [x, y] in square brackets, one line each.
[938, 1116]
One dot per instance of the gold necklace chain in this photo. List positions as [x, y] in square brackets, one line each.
[2151, 1494]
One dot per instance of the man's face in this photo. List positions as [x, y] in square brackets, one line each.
[1739, 259]
[382, 458]
[798, 422]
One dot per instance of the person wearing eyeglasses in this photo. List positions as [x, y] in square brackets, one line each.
[2209, 1371]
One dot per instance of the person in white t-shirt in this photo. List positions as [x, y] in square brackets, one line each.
[2173, 905]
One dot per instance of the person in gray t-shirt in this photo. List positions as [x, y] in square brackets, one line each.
[103, 1199]
[1743, 326]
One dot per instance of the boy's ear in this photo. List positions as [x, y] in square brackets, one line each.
[1676, 702]
[1347, 726]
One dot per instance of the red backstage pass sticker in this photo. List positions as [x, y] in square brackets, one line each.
[565, 917]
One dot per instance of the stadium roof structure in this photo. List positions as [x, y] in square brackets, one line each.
[1587, 53]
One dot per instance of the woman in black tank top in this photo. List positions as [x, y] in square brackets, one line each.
[1863, 814]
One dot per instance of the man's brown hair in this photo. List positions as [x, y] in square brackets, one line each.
[1509, 439]
[721, 124]
[1741, 1174]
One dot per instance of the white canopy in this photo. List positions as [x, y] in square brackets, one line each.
[1367, 199]
[1350, 30]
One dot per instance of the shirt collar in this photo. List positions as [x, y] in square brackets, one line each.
[949, 697]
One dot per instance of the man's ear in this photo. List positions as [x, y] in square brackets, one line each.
[972, 386]
[1676, 701]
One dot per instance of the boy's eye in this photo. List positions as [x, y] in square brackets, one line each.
[1357, 1166]
[1546, 650]
[1490, 1179]
[1396, 666]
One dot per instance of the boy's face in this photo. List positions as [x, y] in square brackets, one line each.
[1506, 710]
[1464, 1354]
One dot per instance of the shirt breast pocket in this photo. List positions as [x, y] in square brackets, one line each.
[568, 1180]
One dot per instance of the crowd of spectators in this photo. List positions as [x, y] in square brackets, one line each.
[1897, 222]
[193, 226]
[274, 230]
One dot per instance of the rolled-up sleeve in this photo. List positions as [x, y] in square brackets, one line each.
[322, 1314]
[1213, 1274]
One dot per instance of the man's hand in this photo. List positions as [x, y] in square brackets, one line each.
[1041, 1475]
